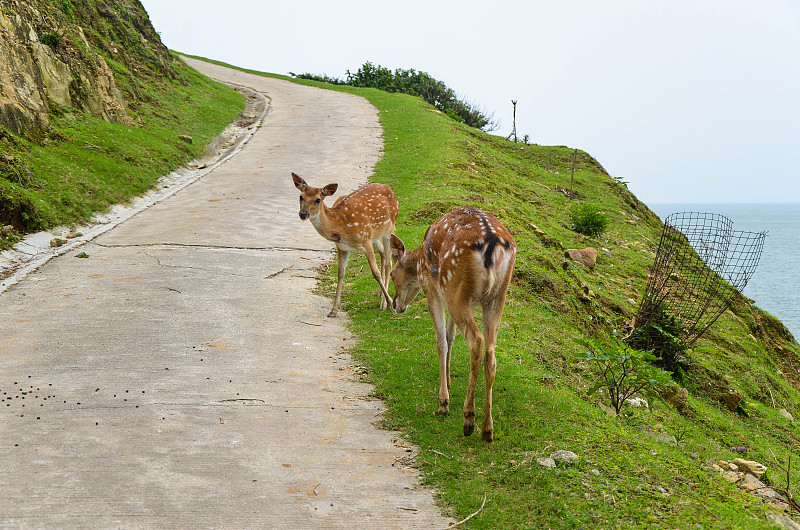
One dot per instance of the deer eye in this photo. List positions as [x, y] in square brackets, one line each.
[317, 201]
[301, 198]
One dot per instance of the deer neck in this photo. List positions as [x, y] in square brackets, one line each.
[415, 259]
[324, 223]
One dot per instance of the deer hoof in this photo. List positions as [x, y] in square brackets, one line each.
[469, 428]
[488, 436]
[444, 409]
[332, 314]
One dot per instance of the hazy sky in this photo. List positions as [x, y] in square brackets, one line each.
[687, 100]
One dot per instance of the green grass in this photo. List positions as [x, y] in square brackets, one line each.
[87, 164]
[625, 477]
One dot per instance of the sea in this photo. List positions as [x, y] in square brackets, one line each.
[775, 285]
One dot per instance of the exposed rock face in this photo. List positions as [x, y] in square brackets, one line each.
[49, 62]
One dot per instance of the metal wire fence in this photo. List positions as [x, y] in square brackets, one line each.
[700, 265]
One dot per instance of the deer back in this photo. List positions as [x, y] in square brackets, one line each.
[366, 214]
[465, 251]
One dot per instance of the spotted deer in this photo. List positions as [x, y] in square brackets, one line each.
[354, 222]
[466, 260]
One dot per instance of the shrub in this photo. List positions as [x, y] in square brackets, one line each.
[588, 219]
[661, 333]
[414, 83]
[623, 371]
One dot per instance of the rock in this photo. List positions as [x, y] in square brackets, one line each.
[547, 462]
[186, 138]
[73, 235]
[732, 476]
[753, 468]
[786, 414]
[606, 252]
[754, 486]
[739, 449]
[732, 400]
[784, 521]
[676, 396]
[57, 242]
[586, 256]
[666, 438]
[638, 402]
[564, 457]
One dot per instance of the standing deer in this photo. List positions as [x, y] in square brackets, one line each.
[466, 260]
[355, 222]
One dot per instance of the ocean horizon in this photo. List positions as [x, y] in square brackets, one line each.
[775, 285]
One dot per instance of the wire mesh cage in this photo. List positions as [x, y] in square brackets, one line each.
[700, 265]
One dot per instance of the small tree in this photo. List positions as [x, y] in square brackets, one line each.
[623, 371]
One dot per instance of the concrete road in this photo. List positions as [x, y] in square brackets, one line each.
[183, 375]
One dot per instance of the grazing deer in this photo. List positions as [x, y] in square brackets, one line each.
[466, 259]
[355, 222]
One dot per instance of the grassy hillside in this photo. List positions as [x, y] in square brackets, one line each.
[87, 164]
[630, 472]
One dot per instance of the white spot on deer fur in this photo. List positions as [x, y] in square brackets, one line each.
[355, 224]
[453, 261]
[349, 225]
[449, 275]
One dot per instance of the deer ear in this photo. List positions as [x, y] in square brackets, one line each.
[299, 183]
[329, 190]
[398, 248]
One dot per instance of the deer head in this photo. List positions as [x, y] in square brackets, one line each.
[404, 275]
[310, 197]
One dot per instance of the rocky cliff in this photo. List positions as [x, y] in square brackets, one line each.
[87, 55]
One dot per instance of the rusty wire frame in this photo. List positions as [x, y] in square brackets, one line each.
[700, 265]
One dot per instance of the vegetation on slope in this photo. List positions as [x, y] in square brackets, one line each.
[82, 161]
[630, 474]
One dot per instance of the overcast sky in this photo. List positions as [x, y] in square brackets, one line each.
[688, 100]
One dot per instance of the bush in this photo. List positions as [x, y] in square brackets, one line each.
[661, 333]
[623, 371]
[588, 219]
[414, 83]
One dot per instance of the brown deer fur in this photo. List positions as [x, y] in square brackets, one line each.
[354, 222]
[466, 260]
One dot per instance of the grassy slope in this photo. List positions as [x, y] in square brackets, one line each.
[540, 403]
[88, 164]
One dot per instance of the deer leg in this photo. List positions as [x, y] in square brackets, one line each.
[386, 259]
[451, 336]
[491, 323]
[370, 253]
[382, 268]
[466, 322]
[342, 256]
[436, 309]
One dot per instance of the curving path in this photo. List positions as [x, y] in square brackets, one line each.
[184, 376]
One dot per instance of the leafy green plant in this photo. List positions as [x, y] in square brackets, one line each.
[623, 371]
[49, 39]
[661, 333]
[588, 219]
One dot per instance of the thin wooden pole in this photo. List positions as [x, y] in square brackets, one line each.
[572, 178]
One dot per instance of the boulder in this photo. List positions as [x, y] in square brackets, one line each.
[585, 256]
[547, 462]
[676, 396]
[564, 457]
[753, 468]
[732, 400]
